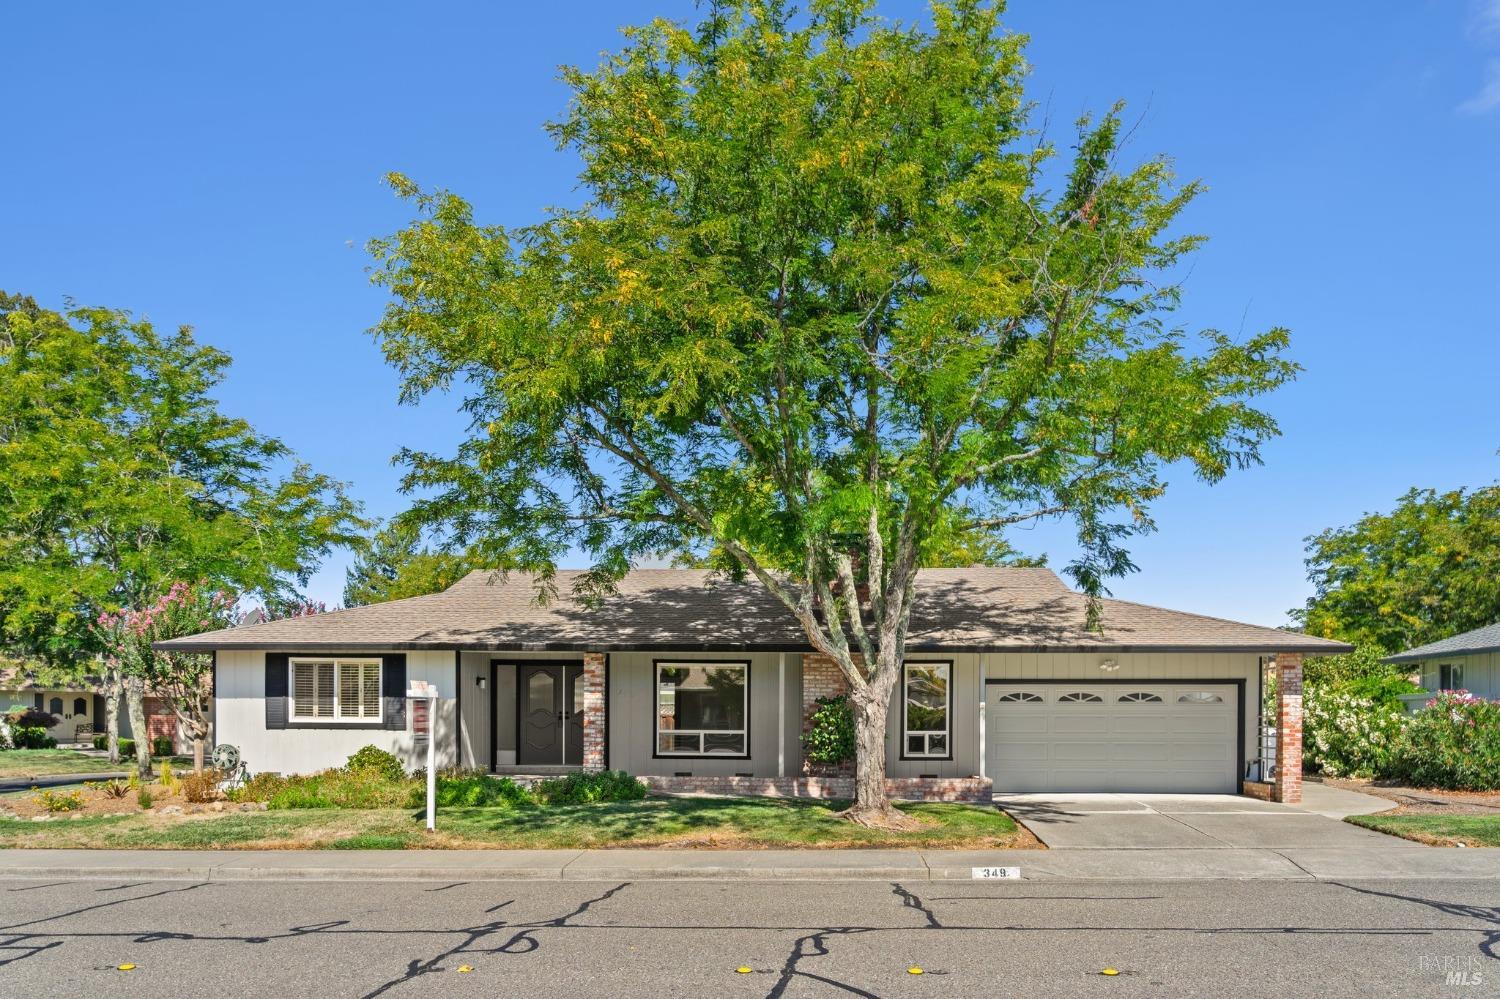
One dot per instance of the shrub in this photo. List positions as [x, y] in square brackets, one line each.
[19, 717]
[261, 787]
[127, 746]
[59, 801]
[31, 737]
[1453, 743]
[333, 789]
[472, 789]
[167, 778]
[143, 797]
[1348, 735]
[588, 788]
[201, 788]
[375, 760]
[830, 735]
[162, 746]
[110, 788]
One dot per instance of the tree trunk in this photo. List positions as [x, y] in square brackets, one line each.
[135, 697]
[872, 806]
[112, 715]
[198, 755]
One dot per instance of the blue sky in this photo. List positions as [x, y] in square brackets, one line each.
[219, 165]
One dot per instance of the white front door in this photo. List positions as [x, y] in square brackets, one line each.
[1137, 737]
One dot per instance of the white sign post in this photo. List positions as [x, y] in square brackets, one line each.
[421, 690]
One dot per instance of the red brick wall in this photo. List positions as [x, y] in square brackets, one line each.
[1288, 780]
[821, 677]
[966, 789]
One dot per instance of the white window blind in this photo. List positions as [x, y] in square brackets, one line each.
[336, 689]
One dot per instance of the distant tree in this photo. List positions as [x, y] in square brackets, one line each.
[183, 679]
[829, 304]
[394, 564]
[1428, 569]
[120, 476]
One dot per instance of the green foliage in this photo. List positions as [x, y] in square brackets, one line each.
[394, 564]
[121, 475]
[830, 736]
[161, 746]
[829, 308]
[1453, 744]
[31, 737]
[109, 788]
[1428, 569]
[59, 801]
[375, 760]
[473, 789]
[338, 789]
[127, 746]
[1363, 662]
[144, 797]
[589, 788]
[1345, 734]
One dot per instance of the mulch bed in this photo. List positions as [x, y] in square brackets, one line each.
[1423, 801]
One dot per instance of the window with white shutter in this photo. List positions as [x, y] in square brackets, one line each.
[335, 689]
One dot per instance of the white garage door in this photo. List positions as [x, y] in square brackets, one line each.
[1164, 737]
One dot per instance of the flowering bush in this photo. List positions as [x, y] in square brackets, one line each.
[1345, 734]
[1452, 743]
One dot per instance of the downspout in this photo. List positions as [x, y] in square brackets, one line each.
[781, 715]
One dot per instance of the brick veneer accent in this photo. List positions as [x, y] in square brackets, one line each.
[821, 677]
[966, 789]
[1288, 780]
[593, 710]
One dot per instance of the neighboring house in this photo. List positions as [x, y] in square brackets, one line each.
[694, 682]
[77, 706]
[1470, 661]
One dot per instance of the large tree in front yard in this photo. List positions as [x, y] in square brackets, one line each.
[831, 306]
[120, 476]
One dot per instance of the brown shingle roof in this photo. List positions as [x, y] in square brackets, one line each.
[974, 609]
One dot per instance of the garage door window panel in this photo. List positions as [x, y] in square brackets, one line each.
[927, 710]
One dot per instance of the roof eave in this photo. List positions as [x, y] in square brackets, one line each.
[1417, 655]
[180, 645]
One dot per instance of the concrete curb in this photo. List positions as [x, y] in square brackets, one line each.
[8, 784]
[731, 865]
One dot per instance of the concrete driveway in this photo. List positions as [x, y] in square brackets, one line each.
[1198, 821]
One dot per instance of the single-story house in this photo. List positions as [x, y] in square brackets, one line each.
[695, 682]
[1470, 661]
[76, 705]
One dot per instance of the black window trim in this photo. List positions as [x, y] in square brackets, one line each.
[903, 755]
[656, 664]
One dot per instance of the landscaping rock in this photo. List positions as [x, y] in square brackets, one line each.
[41, 818]
[217, 806]
[170, 810]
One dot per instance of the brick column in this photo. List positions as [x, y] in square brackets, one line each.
[593, 710]
[1288, 782]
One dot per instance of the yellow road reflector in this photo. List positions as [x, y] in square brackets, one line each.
[1109, 971]
[125, 967]
[743, 969]
[913, 970]
[464, 969]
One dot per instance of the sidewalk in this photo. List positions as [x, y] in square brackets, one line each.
[1308, 864]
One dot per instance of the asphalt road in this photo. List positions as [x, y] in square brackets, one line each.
[662, 939]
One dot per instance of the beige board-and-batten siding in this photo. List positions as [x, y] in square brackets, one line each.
[1481, 672]
[241, 710]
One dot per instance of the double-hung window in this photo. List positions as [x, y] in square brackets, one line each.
[1450, 677]
[927, 709]
[335, 690]
[701, 709]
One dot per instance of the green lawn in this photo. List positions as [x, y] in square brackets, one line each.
[41, 762]
[723, 823]
[46, 762]
[1442, 830]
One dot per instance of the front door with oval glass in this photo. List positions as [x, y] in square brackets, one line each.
[550, 714]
